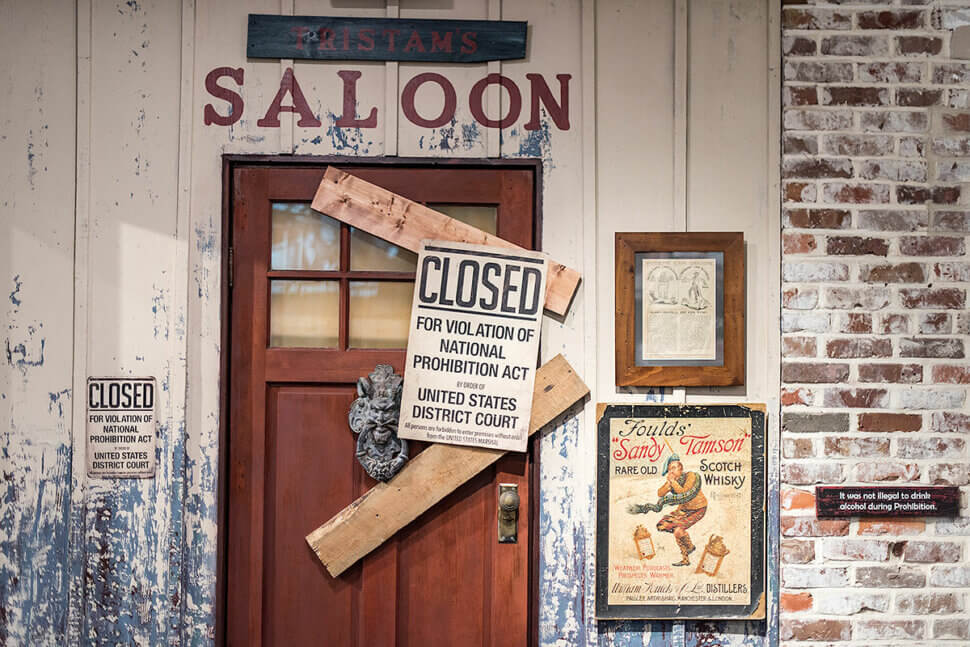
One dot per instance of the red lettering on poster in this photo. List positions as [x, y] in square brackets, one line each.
[365, 40]
[407, 100]
[559, 112]
[288, 85]
[349, 117]
[209, 114]
[476, 96]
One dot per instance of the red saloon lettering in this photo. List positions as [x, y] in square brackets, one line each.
[290, 98]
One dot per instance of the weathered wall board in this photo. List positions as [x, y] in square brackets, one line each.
[387, 39]
[433, 474]
[403, 222]
[472, 347]
[887, 501]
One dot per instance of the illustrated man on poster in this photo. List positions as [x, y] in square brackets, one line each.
[682, 489]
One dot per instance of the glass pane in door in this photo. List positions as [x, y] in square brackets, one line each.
[480, 216]
[380, 313]
[304, 314]
[304, 239]
[370, 253]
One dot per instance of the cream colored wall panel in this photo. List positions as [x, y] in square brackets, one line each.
[731, 156]
[220, 42]
[568, 452]
[37, 83]
[461, 135]
[634, 143]
[133, 312]
[324, 90]
[218, 39]
[554, 138]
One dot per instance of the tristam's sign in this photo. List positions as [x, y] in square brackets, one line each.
[121, 427]
[473, 345]
[384, 39]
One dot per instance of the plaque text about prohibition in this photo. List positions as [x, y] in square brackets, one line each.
[891, 501]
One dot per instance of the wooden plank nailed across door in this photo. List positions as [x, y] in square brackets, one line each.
[429, 477]
[405, 223]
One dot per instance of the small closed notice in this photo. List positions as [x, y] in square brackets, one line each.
[121, 427]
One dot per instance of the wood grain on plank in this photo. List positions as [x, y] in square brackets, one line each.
[429, 477]
[406, 223]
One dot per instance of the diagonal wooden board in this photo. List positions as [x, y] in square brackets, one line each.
[431, 476]
[406, 223]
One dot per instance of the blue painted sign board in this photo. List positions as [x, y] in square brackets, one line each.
[384, 39]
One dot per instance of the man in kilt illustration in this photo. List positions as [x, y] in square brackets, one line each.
[682, 489]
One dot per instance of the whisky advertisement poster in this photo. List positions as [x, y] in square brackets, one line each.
[680, 512]
[473, 345]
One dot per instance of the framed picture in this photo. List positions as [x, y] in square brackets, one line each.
[680, 517]
[679, 309]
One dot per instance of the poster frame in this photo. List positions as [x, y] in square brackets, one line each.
[726, 368]
[756, 607]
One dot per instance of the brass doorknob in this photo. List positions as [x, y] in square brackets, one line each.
[508, 513]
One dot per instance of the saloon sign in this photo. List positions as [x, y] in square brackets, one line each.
[224, 84]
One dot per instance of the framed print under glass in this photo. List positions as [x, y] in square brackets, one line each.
[679, 309]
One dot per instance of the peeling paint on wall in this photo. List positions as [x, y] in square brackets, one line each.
[346, 141]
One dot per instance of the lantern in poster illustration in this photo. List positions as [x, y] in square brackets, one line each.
[713, 555]
[644, 543]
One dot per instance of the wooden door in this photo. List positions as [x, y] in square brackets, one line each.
[314, 306]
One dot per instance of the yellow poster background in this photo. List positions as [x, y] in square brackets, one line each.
[718, 451]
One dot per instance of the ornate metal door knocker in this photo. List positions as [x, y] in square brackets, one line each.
[373, 417]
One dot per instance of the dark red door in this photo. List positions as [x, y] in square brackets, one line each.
[314, 306]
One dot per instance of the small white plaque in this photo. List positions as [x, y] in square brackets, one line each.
[121, 427]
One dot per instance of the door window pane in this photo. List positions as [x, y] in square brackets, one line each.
[376, 254]
[480, 216]
[380, 313]
[304, 239]
[304, 314]
[370, 253]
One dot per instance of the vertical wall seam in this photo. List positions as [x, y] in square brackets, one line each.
[82, 214]
[681, 123]
[493, 96]
[392, 75]
[178, 580]
[287, 118]
[590, 220]
[773, 444]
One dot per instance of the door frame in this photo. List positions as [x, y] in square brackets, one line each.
[232, 162]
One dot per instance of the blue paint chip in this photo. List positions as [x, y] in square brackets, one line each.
[14, 299]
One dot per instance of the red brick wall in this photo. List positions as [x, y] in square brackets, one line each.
[875, 326]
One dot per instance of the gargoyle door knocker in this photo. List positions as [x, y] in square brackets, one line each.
[373, 417]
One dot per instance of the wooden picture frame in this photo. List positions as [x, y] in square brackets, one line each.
[679, 309]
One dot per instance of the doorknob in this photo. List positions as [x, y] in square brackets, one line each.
[508, 513]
